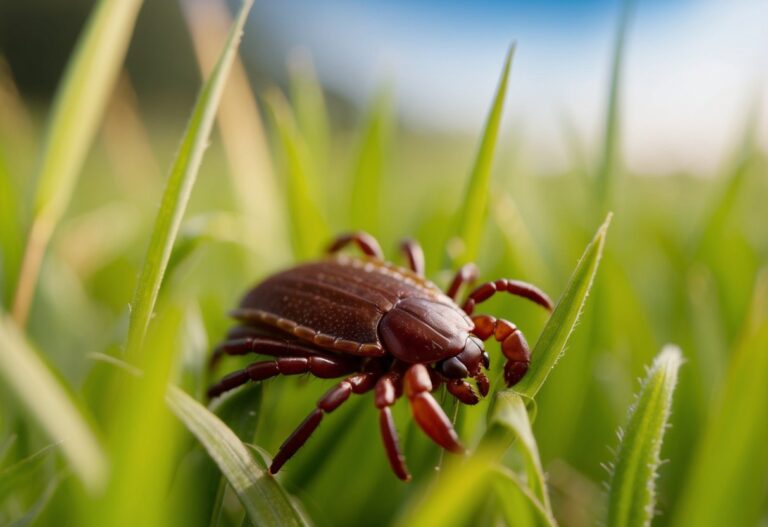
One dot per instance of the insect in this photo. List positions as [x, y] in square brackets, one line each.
[384, 328]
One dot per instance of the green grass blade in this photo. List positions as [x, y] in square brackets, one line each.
[49, 403]
[509, 421]
[179, 186]
[473, 212]
[11, 243]
[459, 492]
[309, 230]
[365, 206]
[632, 490]
[24, 472]
[80, 102]
[265, 501]
[554, 336]
[726, 481]
[139, 409]
[311, 110]
[518, 504]
[609, 162]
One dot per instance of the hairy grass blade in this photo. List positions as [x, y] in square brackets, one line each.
[732, 450]
[632, 489]
[79, 105]
[308, 226]
[473, 212]
[51, 406]
[265, 501]
[555, 334]
[179, 187]
[609, 162]
[365, 204]
[509, 421]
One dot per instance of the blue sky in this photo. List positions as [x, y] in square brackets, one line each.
[692, 70]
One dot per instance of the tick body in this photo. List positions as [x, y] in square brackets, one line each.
[384, 328]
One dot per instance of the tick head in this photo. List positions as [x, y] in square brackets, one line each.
[468, 362]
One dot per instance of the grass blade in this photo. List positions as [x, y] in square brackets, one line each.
[472, 214]
[23, 472]
[50, 405]
[265, 501]
[518, 504]
[10, 231]
[179, 187]
[79, 105]
[732, 447]
[311, 110]
[609, 162]
[632, 490]
[242, 132]
[309, 229]
[365, 204]
[509, 419]
[137, 409]
[554, 336]
[456, 495]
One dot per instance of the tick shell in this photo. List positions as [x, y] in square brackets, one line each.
[338, 304]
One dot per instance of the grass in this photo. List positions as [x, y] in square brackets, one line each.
[87, 420]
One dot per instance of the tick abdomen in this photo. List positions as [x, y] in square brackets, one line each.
[335, 303]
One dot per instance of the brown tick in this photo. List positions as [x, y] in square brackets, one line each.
[384, 327]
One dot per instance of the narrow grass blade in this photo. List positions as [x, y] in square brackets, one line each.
[179, 187]
[49, 403]
[239, 410]
[309, 229]
[10, 231]
[365, 204]
[79, 105]
[554, 336]
[139, 409]
[242, 133]
[265, 501]
[632, 490]
[472, 214]
[609, 162]
[23, 472]
[518, 504]
[509, 421]
[726, 484]
[311, 110]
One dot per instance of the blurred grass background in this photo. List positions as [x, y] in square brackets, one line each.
[289, 165]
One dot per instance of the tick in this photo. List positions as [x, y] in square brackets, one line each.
[384, 328]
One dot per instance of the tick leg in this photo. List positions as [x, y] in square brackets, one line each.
[414, 254]
[467, 274]
[261, 346]
[323, 367]
[463, 391]
[363, 240]
[358, 383]
[515, 287]
[427, 412]
[513, 345]
[386, 395]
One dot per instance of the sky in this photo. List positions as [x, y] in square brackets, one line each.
[695, 71]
